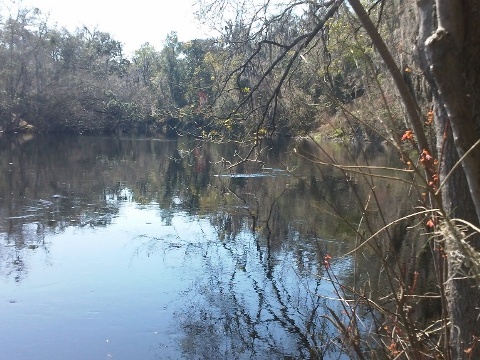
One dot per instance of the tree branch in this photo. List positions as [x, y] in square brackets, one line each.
[407, 98]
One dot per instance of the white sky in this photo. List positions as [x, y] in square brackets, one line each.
[133, 23]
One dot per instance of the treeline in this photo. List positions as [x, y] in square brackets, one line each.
[53, 80]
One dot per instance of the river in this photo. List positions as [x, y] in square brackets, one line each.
[157, 249]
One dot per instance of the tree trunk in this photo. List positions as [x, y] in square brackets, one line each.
[453, 53]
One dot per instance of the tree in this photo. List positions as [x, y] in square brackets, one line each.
[453, 53]
[147, 59]
[20, 54]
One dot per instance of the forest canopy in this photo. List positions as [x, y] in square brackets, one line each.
[54, 80]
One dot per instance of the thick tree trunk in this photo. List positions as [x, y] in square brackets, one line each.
[454, 57]
[453, 53]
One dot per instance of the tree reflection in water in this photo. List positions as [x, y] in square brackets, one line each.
[262, 293]
[255, 307]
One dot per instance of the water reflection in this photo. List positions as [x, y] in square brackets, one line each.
[154, 249]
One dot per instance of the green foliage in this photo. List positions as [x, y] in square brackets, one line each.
[56, 80]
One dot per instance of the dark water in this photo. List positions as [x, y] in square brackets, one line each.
[153, 249]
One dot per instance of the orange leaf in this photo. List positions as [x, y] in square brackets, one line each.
[429, 117]
[408, 135]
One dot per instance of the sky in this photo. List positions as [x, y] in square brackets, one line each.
[133, 23]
